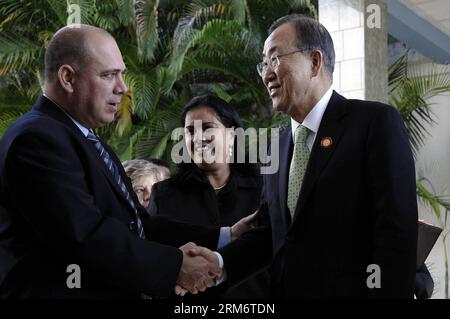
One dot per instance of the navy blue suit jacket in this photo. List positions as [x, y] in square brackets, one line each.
[357, 207]
[64, 207]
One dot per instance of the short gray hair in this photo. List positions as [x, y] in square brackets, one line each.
[137, 168]
[69, 46]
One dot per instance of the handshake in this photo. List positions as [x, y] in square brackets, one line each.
[200, 269]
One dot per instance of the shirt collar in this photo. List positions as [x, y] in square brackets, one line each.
[314, 117]
[83, 129]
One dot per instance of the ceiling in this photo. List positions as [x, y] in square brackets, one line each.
[436, 12]
[423, 25]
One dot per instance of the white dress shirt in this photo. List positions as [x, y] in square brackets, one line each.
[313, 119]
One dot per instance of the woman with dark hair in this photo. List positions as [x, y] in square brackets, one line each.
[212, 188]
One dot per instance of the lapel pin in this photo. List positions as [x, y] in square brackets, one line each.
[326, 142]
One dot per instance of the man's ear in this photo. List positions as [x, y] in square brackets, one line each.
[66, 77]
[316, 62]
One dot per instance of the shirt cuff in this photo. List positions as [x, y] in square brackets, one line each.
[220, 280]
[224, 237]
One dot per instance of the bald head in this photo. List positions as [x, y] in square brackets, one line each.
[70, 45]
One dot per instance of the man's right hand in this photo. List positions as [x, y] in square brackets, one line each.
[197, 273]
[243, 225]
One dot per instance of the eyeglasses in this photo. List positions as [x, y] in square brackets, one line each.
[273, 62]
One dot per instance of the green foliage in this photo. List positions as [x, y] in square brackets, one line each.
[410, 94]
[173, 50]
[8, 115]
[437, 204]
[434, 201]
[17, 53]
[146, 15]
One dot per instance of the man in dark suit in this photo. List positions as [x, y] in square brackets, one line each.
[341, 211]
[424, 285]
[66, 198]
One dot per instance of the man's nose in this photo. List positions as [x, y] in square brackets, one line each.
[268, 75]
[121, 86]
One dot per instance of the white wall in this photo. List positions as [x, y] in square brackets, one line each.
[361, 55]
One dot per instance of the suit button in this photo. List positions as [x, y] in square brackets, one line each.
[132, 225]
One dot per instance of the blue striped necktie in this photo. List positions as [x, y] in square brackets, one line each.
[104, 155]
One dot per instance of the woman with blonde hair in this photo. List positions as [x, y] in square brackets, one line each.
[144, 175]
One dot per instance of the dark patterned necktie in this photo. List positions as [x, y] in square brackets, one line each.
[104, 155]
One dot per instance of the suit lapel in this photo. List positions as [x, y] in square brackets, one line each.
[49, 108]
[332, 127]
[286, 148]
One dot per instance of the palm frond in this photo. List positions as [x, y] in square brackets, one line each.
[434, 201]
[212, 52]
[60, 9]
[196, 15]
[397, 72]
[145, 90]
[17, 53]
[124, 145]
[124, 120]
[126, 11]
[239, 11]
[203, 11]
[106, 17]
[219, 39]
[155, 141]
[27, 16]
[203, 70]
[158, 150]
[183, 35]
[12, 10]
[146, 15]
[262, 13]
[410, 94]
[8, 115]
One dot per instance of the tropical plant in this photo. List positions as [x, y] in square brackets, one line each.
[22, 50]
[440, 206]
[410, 93]
[173, 50]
